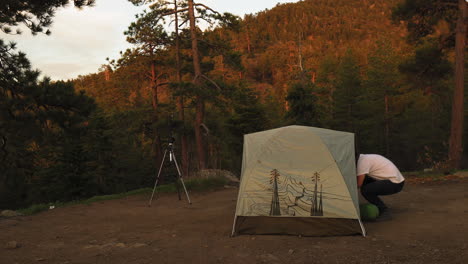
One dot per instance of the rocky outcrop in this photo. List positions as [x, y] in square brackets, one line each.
[212, 173]
[9, 213]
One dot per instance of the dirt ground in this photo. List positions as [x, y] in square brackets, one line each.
[430, 225]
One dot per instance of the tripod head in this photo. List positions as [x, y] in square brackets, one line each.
[170, 143]
[171, 140]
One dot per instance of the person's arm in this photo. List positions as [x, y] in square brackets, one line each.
[360, 180]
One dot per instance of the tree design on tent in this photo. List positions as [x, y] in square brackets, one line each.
[299, 199]
[275, 204]
[317, 205]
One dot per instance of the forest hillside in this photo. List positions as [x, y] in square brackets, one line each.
[384, 70]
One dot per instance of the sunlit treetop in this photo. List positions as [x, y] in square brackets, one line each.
[425, 17]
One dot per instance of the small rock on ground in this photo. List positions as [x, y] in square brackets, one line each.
[12, 245]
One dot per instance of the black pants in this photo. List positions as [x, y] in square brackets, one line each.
[372, 188]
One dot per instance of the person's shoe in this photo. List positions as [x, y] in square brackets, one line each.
[384, 216]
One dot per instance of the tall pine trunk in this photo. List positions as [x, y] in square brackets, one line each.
[456, 132]
[200, 103]
[157, 146]
[180, 101]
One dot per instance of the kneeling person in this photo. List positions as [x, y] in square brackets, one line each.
[376, 175]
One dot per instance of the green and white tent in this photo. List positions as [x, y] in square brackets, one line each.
[298, 180]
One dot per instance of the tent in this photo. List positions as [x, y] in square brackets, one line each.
[298, 180]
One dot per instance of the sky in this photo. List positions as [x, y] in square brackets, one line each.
[81, 40]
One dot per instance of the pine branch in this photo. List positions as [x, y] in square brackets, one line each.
[207, 7]
[175, 12]
[163, 83]
[213, 82]
[183, 22]
[148, 75]
[207, 130]
[447, 4]
[205, 19]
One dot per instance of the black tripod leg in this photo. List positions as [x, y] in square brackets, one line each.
[181, 180]
[157, 178]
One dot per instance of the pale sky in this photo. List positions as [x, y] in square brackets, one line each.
[81, 40]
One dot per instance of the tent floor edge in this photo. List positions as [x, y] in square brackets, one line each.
[298, 226]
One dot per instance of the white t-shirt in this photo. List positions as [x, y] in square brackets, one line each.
[379, 168]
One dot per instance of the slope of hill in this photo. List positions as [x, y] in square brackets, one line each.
[277, 43]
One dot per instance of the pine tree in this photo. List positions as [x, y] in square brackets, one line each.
[425, 97]
[302, 104]
[151, 41]
[26, 110]
[424, 20]
[192, 11]
[35, 15]
[347, 94]
[326, 87]
[378, 100]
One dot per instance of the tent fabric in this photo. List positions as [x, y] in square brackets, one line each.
[298, 180]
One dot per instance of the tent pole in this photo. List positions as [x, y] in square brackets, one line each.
[234, 226]
[362, 228]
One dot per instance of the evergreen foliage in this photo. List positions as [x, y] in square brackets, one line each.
[347, 94]
[380, 88]
[36, 15]
[335, 64]
[247, 116]
[302, 104]
[444, 23]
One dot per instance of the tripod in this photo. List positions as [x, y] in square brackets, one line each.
[170, 150]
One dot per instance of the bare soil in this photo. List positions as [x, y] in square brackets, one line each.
[429, 225]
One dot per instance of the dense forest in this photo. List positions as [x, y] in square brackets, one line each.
[384, 70]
